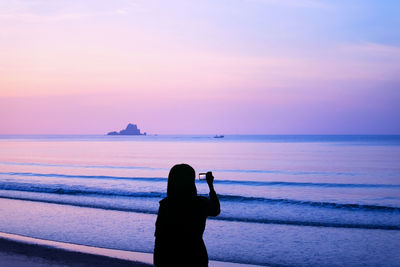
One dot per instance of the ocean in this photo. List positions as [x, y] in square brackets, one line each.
[286, 200]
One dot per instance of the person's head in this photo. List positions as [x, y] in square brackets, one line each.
[181, 182]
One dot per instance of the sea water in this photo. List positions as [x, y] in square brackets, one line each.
[285, 200]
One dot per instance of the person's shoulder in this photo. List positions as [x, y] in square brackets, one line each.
[163, 201]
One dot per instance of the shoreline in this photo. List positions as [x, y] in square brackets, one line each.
[26, 251]
[18, 250]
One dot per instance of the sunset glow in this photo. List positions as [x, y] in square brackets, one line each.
[206, 67]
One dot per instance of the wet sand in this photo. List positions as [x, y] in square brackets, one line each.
[16, 253]
[23, 251]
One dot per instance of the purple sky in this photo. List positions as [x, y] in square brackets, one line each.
[206, 67]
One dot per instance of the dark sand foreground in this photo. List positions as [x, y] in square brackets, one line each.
[15, 253]
[23, 251]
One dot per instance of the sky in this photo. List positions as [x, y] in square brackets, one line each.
[200, 67]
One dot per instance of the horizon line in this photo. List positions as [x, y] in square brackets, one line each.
[199, 134]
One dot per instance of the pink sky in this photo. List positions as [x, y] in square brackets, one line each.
[244, 67]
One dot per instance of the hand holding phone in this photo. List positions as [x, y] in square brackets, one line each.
[208, 176]
[202, 176]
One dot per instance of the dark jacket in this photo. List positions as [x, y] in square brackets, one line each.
[179, 230]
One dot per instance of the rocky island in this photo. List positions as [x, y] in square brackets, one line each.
[131, 129]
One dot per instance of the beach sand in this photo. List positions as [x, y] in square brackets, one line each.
[22, 251]
[16, 253]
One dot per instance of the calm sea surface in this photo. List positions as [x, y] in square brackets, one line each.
[285, 200]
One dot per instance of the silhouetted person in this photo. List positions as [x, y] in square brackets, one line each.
[181, 220]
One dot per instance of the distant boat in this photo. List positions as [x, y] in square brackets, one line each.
[219, 136]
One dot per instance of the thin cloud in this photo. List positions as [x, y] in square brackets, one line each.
[373, 48]
[59, 10]
[59, 17]
[294, 3]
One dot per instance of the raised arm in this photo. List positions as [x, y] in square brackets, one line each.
[214, 206]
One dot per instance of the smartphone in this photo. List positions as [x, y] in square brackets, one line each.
[202, 175]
